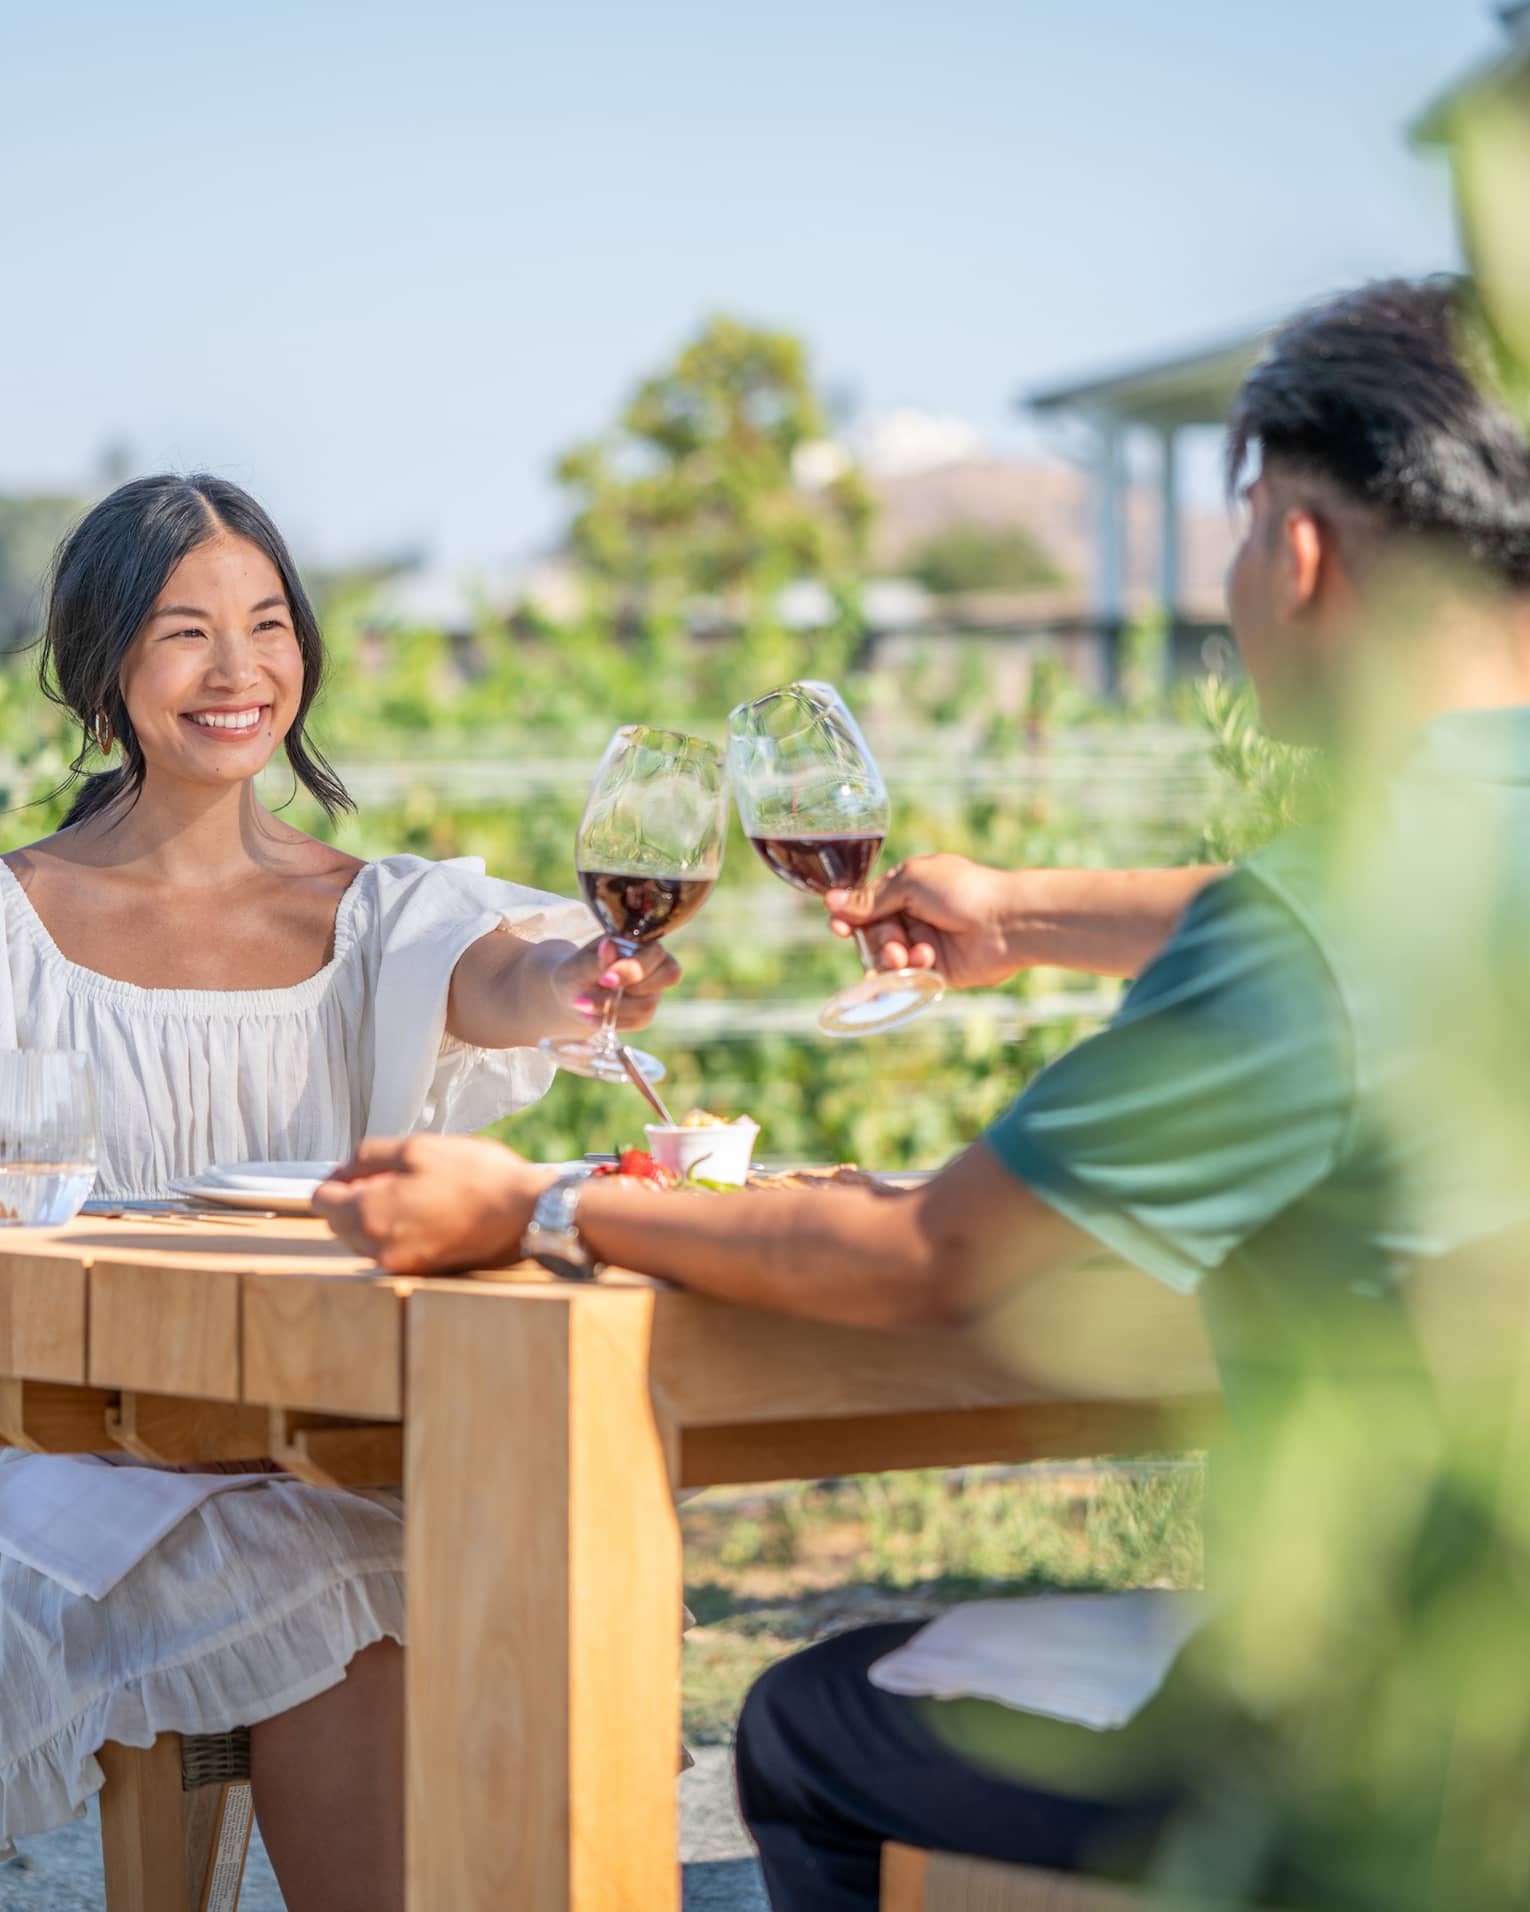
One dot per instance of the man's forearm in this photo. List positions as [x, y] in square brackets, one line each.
[1105, 922]
[933, 1256]
[861, 1256]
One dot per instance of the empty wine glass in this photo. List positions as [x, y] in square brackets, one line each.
[814, 806]
[649, 850]
[47, 1136]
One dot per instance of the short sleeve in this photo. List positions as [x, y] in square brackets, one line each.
[424, 916]
[1217, 1096]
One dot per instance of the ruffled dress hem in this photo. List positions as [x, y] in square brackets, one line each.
[312, 1645]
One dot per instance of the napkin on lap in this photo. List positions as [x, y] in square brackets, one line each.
[1091, 1659]
[85, 1523]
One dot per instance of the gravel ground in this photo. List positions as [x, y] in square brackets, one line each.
[62, 1872]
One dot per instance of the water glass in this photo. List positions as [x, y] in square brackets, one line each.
[47, 1136]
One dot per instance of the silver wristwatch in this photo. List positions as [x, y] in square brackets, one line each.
[551, 1236]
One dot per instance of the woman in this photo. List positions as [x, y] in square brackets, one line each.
[246, 993]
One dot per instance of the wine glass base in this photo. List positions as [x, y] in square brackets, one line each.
[585, 1056]
[881, 1000]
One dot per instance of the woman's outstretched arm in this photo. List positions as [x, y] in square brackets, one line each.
[507, 992]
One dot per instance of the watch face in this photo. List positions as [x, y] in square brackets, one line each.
[563, 1266]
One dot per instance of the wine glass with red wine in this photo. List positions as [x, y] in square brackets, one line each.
[814, 806]
[649, 849]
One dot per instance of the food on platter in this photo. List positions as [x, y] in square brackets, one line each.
[843, 1175]
[707, 1151]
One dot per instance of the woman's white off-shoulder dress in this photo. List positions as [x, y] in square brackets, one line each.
[258, 1597]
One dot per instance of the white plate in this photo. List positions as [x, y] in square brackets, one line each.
[285, 1186]
[278, 1204]
[262, 1174]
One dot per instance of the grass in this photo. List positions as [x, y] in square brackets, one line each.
[769, 1571]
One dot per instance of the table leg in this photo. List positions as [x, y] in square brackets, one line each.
[544, 1588]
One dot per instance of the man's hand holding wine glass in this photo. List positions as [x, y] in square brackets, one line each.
[813, 804]
[937, 912]
[978, 926]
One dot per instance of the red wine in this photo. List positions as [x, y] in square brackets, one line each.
[819, 863]
[641, 908]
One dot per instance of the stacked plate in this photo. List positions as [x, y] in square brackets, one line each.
[286, 1187]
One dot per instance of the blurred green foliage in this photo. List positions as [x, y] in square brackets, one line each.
[1277, 786]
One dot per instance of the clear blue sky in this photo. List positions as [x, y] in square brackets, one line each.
[380, 262]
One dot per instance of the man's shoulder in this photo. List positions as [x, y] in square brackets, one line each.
[1249, 931]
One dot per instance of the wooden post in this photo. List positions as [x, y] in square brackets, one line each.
[143, 1828]
[1110, 488]
[1168, 524]
[164, 1848]
[543, 1572]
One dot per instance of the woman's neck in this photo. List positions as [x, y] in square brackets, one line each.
[186, 834]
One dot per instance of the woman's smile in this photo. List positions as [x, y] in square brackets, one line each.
[228, 723]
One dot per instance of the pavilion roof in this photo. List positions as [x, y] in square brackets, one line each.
[1188, 388]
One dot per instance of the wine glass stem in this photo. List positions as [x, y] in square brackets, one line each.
[868, 954]
[607, 1042]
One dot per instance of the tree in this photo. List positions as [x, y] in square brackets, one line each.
[693, 501]
[976, 557]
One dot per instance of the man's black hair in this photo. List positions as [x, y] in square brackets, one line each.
[1396, 395]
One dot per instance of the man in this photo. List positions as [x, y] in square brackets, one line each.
[1291, 1104]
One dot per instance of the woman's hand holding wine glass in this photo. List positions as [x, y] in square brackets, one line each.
[648, 853]
[600, 975]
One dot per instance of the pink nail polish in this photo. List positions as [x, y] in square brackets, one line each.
[610, 980]
[583, 1005]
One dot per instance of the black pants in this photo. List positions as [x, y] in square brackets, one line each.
[829, 1767]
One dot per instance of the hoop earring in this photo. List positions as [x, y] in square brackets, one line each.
[101, 730]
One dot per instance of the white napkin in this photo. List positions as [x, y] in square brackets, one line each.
[1092, 1659]
[85, 1523]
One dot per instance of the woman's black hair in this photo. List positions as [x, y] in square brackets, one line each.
[1401, 396]
[106, 579]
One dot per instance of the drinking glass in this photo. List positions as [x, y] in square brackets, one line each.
[47, 1136]
[649, 850]
[814, 806]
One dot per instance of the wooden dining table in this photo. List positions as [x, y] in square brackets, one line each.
[542, 1431]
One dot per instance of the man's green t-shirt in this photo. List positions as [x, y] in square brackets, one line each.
[1321, 1085]
[1325, 1074]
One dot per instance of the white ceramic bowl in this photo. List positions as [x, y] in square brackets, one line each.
[719, 1152]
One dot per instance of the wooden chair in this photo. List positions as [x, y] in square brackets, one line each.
[175, 1823]
[914, 1881]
